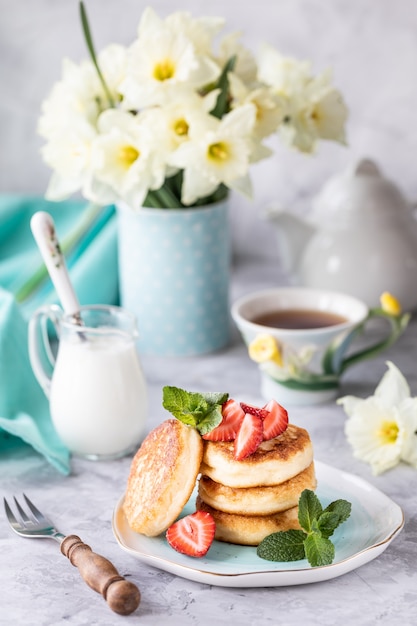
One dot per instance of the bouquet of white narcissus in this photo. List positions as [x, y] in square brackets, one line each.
[171, 122]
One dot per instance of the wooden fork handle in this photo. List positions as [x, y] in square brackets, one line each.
[122, 596]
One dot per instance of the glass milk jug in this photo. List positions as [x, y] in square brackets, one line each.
[95, 384]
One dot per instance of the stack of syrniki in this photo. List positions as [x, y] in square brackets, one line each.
[254, 497]
[251, 470]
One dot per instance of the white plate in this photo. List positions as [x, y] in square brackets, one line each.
[374, 522]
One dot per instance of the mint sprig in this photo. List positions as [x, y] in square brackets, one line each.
[312, 542]
[202, 411]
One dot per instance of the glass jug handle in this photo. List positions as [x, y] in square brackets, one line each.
[40, 346]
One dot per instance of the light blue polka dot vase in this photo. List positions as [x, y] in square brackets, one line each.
[174, 268]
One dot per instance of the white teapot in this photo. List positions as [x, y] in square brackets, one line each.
[361, 238]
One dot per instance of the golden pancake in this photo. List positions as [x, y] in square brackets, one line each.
[274, 462]
[249, 530]
[256, 500]
[162, 477]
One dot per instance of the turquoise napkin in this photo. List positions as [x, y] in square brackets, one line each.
[88, 235]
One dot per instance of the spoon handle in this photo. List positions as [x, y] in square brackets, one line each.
[43, 229]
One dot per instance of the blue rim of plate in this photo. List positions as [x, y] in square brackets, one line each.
[374, 522]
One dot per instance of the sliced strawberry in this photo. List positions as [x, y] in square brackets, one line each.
[228, 428]
[254, 410]
[276, 421]
[192, 534]
[249, 437]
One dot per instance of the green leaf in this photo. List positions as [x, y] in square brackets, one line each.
[327, 523]
[90, 46]
[199, 410]
[214, 416]
[319, 550]
[283, 546]
[210, 420]
[341, 508]
[222, 105]
[213, 397]
[309, 509]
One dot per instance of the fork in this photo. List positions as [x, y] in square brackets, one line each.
[121, 595]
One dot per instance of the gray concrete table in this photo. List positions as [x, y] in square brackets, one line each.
[39, 587]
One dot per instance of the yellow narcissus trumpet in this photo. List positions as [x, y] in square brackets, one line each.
[390, 304]
[265, 348]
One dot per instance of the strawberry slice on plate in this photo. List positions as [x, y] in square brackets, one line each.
[276, 421]
[254, 410]
[249, 437]
[192, 534]
[227, 430]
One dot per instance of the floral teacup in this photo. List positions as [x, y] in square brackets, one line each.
[301, 338]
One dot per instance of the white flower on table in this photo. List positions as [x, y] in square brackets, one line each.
[382, 429]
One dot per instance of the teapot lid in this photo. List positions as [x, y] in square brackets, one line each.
[361, 187]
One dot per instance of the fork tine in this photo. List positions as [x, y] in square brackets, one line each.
[9, 513]
[40, 517]
[22, 513]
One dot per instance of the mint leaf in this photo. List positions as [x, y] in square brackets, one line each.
[327, 523]
[313, 544]
[309, 509]
[319, 550]
[210, 420]
[213, 397]
[283, 546]
[199, 410]
[342, 508]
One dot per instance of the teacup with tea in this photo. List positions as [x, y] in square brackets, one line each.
[301, 338]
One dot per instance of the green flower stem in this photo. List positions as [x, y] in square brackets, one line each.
[162, 198]
[41, 273]
[167, 198]
[90, 46]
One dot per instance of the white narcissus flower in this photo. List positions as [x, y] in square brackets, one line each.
[245, 67]
[200, 31]
[217, 152]
[75, 96]
[124, 162]
[286, 75]
[69, 153]
[382, 429]
[160, 60]
[314, 108]
[325, 109]
[174, 122]
[269, 107]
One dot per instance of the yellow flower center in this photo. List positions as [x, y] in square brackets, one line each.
[164, 70]
[218, 151]
[181, 128]
[388, 432]
[128, 155]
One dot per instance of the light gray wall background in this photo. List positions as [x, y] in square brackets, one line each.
[371, 45]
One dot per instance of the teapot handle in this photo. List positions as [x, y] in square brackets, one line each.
[39, 343]
[334, 361]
